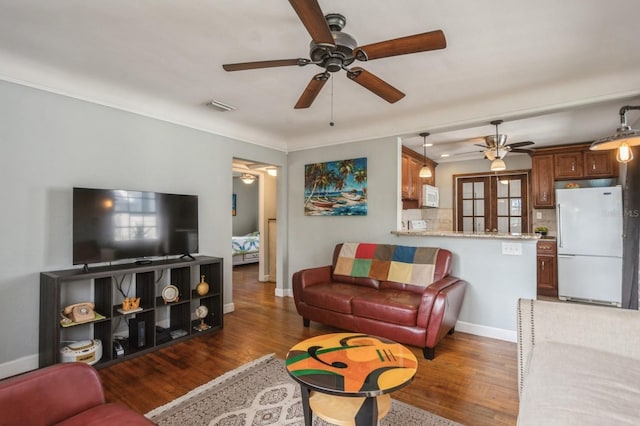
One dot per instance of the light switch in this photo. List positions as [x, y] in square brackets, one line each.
[512, 249]
[538, 215]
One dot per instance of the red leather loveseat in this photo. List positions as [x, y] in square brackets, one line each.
[402, 293]
[62, 394]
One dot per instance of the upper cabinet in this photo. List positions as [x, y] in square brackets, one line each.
[542, 181]
[412, 183]
[566, 163]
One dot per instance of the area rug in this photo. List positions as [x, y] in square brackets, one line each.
[262, 393]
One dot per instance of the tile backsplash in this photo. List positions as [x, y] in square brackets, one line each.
[441, 219]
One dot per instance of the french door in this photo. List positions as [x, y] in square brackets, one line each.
[492, 203]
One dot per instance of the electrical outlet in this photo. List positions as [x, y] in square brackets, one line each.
[512, 249]
[538, 215]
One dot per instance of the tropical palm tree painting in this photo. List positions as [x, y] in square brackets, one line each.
[336, 188]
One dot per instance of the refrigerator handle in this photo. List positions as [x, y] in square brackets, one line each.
[559, 225]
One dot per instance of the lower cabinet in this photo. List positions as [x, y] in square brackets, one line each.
[108, 314]
[547, 269]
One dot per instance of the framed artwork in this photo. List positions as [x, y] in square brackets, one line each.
[336, 188]
[233, 204]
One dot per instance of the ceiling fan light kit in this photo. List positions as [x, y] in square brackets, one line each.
[622, 140]
[334, 50]
[247, 178]
[498, 165]
[497, 148]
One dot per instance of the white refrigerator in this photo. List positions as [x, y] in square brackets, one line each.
[589, 222]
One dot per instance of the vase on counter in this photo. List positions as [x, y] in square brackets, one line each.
[202, 288]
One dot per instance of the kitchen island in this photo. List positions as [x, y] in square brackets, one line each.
[499, 269]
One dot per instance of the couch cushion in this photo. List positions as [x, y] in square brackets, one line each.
[394, 306]
[387, 262]
[573, 385]
[334, 296]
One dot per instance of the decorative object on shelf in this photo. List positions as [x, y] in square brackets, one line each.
[425, 171]
[130, 303]
[572, 185]
[542, 230]
[202, 312]
[202, 288]
[80, 312]
[87, 351]
[622, 140]
[170, 294]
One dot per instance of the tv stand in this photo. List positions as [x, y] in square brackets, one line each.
[158, 319]
[187, 255]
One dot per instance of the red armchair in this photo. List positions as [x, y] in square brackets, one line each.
[62, 394]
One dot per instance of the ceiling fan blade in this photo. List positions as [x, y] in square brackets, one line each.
[523, 150]
[432, 40]
[519, 144]
[313, 20]
[265, 64]
[375, 84]
[312, 90]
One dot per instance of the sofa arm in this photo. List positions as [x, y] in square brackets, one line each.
[429, 296]
[309, 277]
[603, 328]
[50, 395]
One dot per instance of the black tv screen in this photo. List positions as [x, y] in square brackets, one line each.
[113, 224]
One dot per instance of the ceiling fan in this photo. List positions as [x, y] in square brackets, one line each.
[496, 145]
[335, 50]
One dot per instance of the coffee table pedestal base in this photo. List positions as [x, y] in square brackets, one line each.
[345, 410]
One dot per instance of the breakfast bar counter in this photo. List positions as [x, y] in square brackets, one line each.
[461, 234]
[499, 269]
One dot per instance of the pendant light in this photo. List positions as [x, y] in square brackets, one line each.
[622, 140]
[425, 171]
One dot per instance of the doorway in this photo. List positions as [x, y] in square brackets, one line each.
[254, 216]
[492, 203]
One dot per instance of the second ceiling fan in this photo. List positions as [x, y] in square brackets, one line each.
[496, 145]
[335, 50]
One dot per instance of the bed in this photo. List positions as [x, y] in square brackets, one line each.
[246, 248]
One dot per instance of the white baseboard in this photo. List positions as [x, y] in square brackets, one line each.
[484, 331]
[229, 307]
[18, 366]
[284, 292]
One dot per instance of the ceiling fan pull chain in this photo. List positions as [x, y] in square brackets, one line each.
[331, 123]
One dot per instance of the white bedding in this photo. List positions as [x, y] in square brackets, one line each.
[249, 243]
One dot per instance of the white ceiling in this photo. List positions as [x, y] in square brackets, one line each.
[555, 71]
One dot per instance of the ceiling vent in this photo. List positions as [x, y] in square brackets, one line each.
[220, 106]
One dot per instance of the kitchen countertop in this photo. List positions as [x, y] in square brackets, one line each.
[460, 234]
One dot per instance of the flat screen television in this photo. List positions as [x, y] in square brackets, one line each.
[113, 224]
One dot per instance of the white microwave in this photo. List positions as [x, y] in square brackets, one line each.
[430, 196]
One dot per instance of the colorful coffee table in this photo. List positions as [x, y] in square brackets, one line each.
[345, 378]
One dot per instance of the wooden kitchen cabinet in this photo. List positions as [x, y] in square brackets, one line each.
[569, 165]
[412, 183]
[543, 181]
[568, 162]
[547, 268]
[599, 164]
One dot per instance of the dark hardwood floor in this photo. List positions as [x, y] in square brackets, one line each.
[472, 380]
